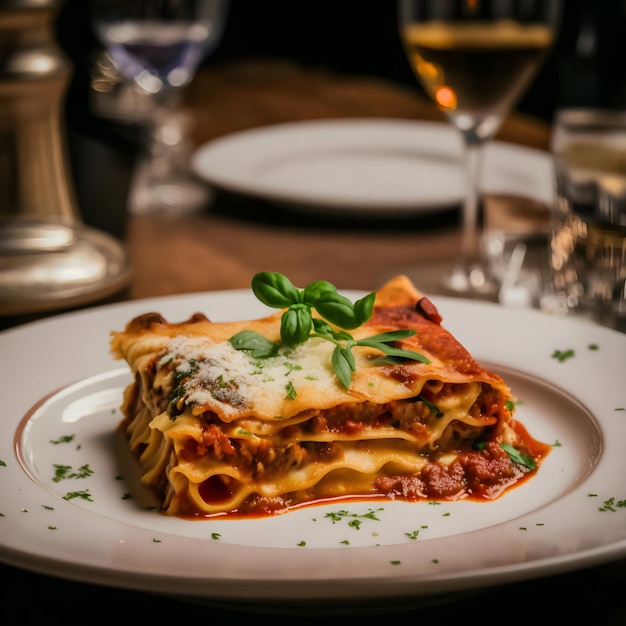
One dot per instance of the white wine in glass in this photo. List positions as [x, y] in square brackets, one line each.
[475, 59]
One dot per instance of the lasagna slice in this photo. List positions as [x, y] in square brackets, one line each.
[218, 431]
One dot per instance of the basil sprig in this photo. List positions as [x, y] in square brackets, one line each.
[298, 324]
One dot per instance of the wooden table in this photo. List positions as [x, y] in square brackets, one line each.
[222, 248]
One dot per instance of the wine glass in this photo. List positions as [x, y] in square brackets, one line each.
[475, 58]
[159, 44]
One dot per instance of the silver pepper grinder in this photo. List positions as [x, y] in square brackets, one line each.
[49, 259]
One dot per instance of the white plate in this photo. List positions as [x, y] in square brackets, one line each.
[365, 166]
[60, 381]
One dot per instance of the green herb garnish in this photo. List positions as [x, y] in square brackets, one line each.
[291, 391]
[612, 505]
[337, 316]
[83, 495]
[517, 457]
[61, 472]
[63, 439]
[355, 518]
[562, 355]
[432, 407]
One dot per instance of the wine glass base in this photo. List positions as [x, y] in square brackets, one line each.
[448, 277]
[46, 266]
[169, 198]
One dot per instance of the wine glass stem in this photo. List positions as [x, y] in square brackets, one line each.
[471, 233]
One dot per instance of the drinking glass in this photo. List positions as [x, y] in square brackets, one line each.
[588, 218]
[475, 58]
[159, 44]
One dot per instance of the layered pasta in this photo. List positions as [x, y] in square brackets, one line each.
[218, 432]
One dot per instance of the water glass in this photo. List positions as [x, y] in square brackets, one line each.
[588, 222]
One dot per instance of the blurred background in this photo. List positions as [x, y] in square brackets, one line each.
[585, 68]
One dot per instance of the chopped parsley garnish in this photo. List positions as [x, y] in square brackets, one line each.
[61, 472]
[612, 505]
[563, 355]
[291, 391]
[83, 495]
[180, 376]
[356, 518]
[63, 439]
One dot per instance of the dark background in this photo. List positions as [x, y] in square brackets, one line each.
[360, 37]
[352, 37]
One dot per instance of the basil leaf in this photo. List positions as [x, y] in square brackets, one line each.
[324, 330]
[391, 351]
[364, 308]
[295, 325]
[410, 355]
[393, 335]
[338, 310]
[338, 315]
[388, 360]
[318, 290]
[253, 343]
[275, 290]
[343, 364]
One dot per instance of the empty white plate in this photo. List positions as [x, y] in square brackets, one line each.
[364, 166]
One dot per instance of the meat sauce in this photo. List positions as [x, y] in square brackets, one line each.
[477, 475]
